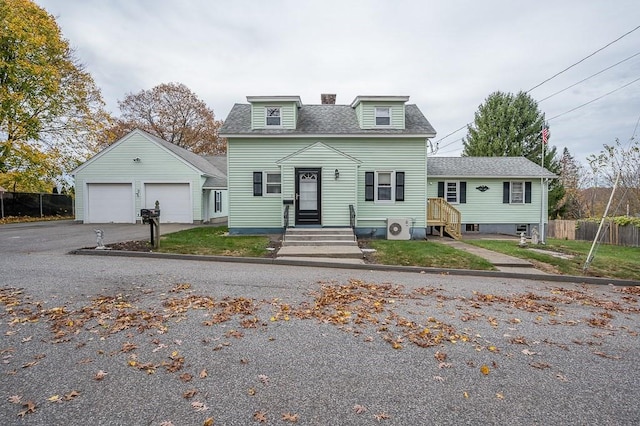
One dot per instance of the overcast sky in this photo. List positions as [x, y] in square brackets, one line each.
[448, 55]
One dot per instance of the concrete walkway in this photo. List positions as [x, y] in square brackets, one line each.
[502, 262]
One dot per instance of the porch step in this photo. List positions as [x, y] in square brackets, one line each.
[320, 242]
[319, 237]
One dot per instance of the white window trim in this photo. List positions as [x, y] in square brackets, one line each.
[393, 187]
[375, 116]
[457, 182]
[266, 121]
[264, 183]
[511, 192]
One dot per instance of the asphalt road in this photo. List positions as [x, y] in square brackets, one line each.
[123, 341]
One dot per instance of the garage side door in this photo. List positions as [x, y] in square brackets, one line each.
[174, 198]
[109, 202]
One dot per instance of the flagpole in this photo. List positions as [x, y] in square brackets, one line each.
[542, 188]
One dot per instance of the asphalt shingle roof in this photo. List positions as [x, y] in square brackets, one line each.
[501, 167]
[206, 166]
[326, 120]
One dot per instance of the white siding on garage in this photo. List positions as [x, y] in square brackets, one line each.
[110, 202]
[174, 198]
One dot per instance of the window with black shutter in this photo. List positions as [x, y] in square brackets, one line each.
[369, 178]
[257, 184]
[399, 186]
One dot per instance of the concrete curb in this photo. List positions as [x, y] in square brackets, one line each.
[366, 267]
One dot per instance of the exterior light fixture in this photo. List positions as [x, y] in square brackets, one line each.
[337, 174]
[136, 160]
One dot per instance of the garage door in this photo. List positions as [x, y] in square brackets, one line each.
[174, 198]
[109, 202]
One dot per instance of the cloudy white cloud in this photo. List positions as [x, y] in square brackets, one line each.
[447, 55]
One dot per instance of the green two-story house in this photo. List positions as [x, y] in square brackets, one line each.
[295, 165]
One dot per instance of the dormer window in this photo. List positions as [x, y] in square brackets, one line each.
[383, 116]
[273, 117]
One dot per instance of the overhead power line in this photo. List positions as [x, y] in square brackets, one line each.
[585, 79]
[551, 78]
[583, 59]
[593, 100]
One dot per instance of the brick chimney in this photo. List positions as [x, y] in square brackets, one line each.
[328, 99]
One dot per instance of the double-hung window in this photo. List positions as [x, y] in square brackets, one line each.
[384, 186]
[452, 192]
[383, 116]
[272, 183]
[266, 184]
[273, 116]
[517, 193]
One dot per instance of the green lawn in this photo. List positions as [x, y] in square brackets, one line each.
[425, 253]
[609, 261]
[214, 241]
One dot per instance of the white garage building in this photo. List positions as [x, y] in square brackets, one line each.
[141, 169]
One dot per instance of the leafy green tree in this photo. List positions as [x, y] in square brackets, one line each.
[511, 126]
[51, 111]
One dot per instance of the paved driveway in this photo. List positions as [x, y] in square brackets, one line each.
[115, 341]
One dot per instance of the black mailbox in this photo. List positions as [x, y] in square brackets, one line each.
[147, 214]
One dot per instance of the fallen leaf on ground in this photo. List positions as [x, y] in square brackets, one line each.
[166, 423]
[440, 356]
[29, 364]
[528, 352]
[203, 373]
[438, 379]
[186, 377]
[54, 398]
[288, 417]
[27, 339]
[71, 395]
[263, 378]
[189, 393]
[465, 394]
[359, 409]
[199, 406]
[30, 408]
[208, 422]
[540, 365]
[499, 395]
[100, 375]
[15, 399]
[251, 391]
[260, 416]
[484, 369]
[381, 416]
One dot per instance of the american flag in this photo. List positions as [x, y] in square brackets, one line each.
[545, 135]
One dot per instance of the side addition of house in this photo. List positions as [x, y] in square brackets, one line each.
[327, 165]
[504, 195]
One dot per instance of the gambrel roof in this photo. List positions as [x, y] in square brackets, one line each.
[485, 167]
[316, 120]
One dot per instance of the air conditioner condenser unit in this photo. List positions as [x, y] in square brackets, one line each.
[398, 229]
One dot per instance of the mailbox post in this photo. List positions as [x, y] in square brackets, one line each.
[152, 217]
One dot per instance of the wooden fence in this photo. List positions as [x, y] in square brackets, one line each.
[612, 233]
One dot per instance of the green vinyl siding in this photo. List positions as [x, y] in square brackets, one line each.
[288, 114]
[487, 207]
[352, 157]
[157, 165]
[367, 115]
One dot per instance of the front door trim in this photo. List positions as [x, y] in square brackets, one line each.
[307, 216]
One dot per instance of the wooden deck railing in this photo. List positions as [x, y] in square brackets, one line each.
[442, 214]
